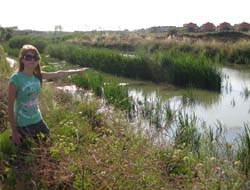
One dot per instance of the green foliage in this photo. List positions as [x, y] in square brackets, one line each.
[229, 35]
[3, 104]
[89, 80]
[4, 67]
[243, 153]
[7, 147]
[18, 41]
[240, 55]
[186, 133]
[189, 70]
[113, 93]
[117, 95]
[176, 67]
[5, 71]
[49, 68]
[101, 154]
[109, 61]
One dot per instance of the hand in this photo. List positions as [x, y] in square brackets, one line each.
[16, 137]
[82, 70]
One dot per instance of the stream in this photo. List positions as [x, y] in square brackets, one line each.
[229, 108]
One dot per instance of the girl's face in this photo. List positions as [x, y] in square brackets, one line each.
[30, 60]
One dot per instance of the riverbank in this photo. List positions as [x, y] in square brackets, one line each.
[104, 151]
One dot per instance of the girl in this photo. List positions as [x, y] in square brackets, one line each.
[24, 88]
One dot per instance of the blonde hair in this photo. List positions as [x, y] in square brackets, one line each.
[23, 51]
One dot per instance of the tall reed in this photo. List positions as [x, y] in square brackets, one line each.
[176, 67]
[5, 72]
[190, 70]
[243, 153]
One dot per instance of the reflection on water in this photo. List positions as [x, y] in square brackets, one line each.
[230, 107]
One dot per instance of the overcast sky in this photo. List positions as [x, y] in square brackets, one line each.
[119, 14]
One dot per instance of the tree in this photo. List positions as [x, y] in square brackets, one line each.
[58, 28]
[2, 34]
[6, 33]
[172, 32]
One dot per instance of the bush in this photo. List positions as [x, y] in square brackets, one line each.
[5, 72]
[7, 147]
[18, 41]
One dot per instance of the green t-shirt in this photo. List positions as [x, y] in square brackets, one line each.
[26, 109]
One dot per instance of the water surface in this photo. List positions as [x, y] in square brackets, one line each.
[230, 107]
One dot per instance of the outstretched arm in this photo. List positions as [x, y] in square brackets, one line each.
[58, 74]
